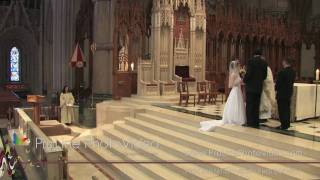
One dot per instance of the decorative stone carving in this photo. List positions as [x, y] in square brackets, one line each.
[123, 54]
[240, 34]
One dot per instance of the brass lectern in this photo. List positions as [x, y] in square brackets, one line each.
[35, 100]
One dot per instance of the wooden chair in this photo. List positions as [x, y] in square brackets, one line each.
[184, 93]
[202, 91]
[212, 92]
[222, 86]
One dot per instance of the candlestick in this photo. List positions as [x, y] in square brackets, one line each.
[317, 75]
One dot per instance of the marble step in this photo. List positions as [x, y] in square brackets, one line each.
[193, 153]
[136, 101]
[169, 151]
[83, 170]
[269, 136]
[173, 99]
[147, 100]
[176, 116]
[223, 150]
[277, 142]
[282, 141]
[94, 153]
[165, 98]
[137, 151]
[261, 151]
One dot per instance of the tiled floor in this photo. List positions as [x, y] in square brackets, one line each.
[311, 126]
[215, 110]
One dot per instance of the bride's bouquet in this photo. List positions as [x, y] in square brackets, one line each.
[242, 72]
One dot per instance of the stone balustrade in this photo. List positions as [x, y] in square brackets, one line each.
[49, 154]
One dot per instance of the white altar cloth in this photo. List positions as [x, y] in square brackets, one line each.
[304, 101]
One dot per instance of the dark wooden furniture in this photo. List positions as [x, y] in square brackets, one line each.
[134, 87]
[8, 101]
[184, 93]
[222, 85]
[36, 100]
[212, 92]
[20, 89]
[183, 72]
[122, 85]
[202, 92]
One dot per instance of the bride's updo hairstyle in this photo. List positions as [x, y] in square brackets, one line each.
[234, 67]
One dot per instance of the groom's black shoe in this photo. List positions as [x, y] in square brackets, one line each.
[282, 128]
[253, 126]
[263, 120]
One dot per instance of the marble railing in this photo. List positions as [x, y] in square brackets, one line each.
[48, 154]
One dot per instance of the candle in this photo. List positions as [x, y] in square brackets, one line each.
[132, 66]
[317, 75]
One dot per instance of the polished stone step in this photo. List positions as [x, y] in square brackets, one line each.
[188, 153]
[271, 137]
[137, 101]
[80, 171]
[176, 116]
[179, 139]
[264, 152]
[137, 151]
[278, 142]
[204, 146]
[102, 156]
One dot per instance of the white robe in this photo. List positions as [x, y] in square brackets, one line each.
[66, 104]
[267, 102]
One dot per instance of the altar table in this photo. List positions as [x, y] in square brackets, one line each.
[304, 102]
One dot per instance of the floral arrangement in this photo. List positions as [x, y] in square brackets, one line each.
[242, 71]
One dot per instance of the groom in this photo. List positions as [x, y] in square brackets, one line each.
[253, 79]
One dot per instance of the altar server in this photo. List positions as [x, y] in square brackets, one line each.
[284, 88]
[66, 105]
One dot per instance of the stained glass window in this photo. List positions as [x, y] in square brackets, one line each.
[14, 64]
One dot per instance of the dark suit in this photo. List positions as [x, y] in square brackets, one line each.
[256, 74]
[284, 88]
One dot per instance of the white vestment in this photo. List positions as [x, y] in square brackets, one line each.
[66, 104]
[267, 102]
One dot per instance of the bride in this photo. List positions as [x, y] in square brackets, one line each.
[234, 109]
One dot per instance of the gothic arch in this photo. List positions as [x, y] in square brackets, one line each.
[27, 45]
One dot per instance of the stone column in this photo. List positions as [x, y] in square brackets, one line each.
[171, 49]
[204, 49]
[63, 18]
[192, 43]
[58, 44]
[155, 50]
[103, 25]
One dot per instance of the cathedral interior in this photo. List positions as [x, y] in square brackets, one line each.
[129, 64]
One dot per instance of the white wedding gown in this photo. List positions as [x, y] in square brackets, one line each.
[234, 109]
